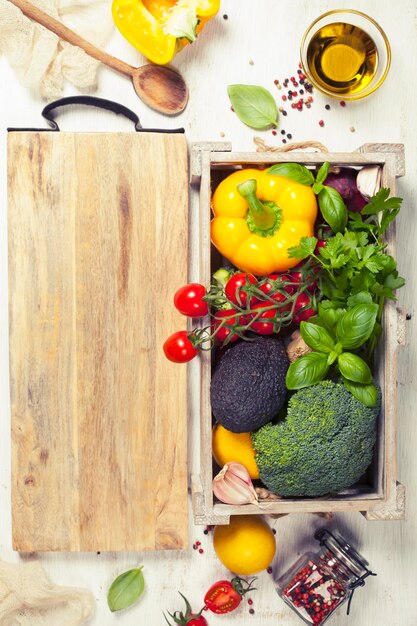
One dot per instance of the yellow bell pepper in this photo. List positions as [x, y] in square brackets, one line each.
[160, 28]
[257, 217]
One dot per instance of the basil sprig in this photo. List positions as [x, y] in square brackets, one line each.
[329, 336]
[126, 589]
[330, 201]
[254, 106]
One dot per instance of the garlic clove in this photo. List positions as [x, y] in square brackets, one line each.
[233, 485]
[368, 180]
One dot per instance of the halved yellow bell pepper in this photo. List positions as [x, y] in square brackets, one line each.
[160, 28]
[257, 217]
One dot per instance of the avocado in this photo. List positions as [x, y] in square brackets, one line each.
[248, 384]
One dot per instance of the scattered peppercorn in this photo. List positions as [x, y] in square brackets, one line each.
[274, 132]
[232, 109]
[289, 136]
[301, 91]
[342, 103]
[251, 611]
[284, 141]
[225, 17]
[250, 601]
[352, 129]
[205, 531]
[283, 98]
[251, 62]
[327, 107]
[284, 113]
[201, 550]
[274, 531]
[321, 123]
[269, 570]
[283, 132]
[198, 543]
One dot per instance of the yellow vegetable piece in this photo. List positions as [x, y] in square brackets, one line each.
[246, 546]
[160, 28]
[228, 447]
[257, 217]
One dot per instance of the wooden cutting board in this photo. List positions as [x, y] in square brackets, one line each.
[98, 228]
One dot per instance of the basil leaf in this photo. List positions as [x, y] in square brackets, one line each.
[332, 357]
[295, 171]
[368, 394]
[322, 173]
[354, 368]
[253, 105]
[126, 589]
[307, 370]
[330, 317]
[317, 187]
[356, 325]
[333, 208]
[316, 337]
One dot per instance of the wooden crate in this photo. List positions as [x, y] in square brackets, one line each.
[382, 498]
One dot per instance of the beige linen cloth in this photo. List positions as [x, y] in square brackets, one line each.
[29, 598]
[41, 60]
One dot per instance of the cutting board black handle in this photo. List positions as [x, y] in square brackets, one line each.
[101, 103]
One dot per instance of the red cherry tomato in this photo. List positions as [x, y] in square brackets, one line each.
[321, 243]
[222, 598]
[226, 331]
[188, 300]
[272, 283]
[235, 293]
[262, 325]
[178, 348]
[303, 302]
[297, 277]
[197, 620]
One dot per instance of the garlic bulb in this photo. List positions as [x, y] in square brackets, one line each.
[233, 485]
[297, 347]
[368, 180]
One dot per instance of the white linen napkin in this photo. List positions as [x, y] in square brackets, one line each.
[41, 60]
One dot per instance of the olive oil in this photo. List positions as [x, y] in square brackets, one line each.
[342, 58]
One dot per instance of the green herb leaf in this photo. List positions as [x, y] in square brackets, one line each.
[362, 297]
[305, 248]
[316, 337]
[295, 171]
[332, 357]
[322, 173]
[381, 201]
[126, 589]
[333, 208]
[317, 187]
[307, 370]
[253, 105]
[368, 394]
[356, 325]
[354, 368]
[330, 316]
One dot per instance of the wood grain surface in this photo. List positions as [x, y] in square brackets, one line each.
[257, 44]
[98, 413]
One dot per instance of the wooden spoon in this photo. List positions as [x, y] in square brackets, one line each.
[160, 87]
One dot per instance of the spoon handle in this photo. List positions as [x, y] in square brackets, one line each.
[71, 37]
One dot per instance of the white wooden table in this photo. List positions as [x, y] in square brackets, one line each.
[257, 44]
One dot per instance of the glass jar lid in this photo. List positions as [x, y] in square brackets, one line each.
[343, 551]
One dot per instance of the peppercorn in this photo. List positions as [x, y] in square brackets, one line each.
[342, 103]
[327, 107]
[321, 123]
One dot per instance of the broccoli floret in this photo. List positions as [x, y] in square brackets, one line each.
[324, 445]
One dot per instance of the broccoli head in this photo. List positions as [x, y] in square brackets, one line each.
[324, 445]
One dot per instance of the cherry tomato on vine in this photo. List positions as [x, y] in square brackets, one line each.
[188, 618]
[226, 330]
[178, 348]
[272, 284]
[303, 302]
[262, 325]
[235, 293]
[188, 300]
[297, 277]
[321, 243]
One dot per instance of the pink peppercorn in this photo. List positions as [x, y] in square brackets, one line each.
[342, 103]
[321, 123]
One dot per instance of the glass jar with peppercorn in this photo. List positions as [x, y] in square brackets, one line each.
[320, 582]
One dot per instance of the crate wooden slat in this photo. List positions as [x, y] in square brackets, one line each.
[383, 498]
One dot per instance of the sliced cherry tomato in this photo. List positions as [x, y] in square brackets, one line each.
[262, 325]
[178, 348]
[226, 330]
[235, 293]
[303, 309]
[188, 300]
[222, 598]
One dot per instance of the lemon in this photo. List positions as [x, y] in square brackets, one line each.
[228, 446]
[246, 546]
